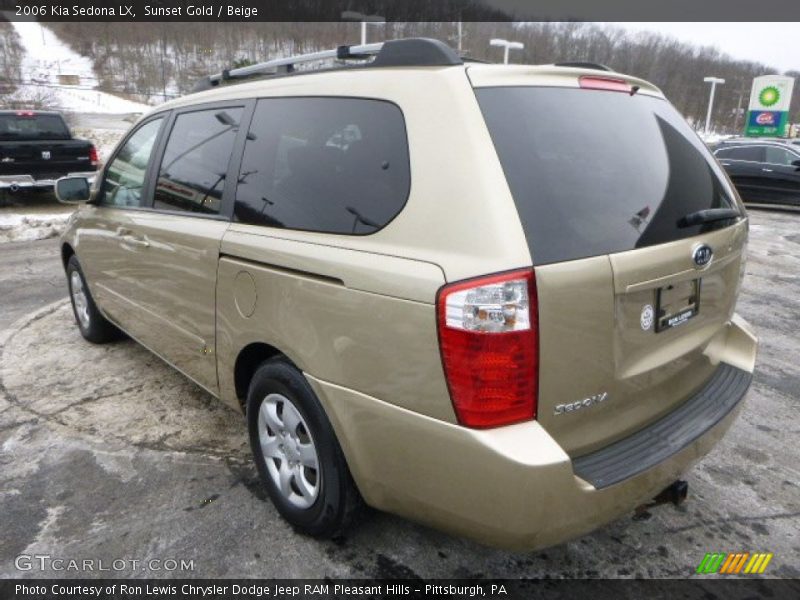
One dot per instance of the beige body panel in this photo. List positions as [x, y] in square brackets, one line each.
[384, 346]
[154, 274]
[592, 342]
[511, 487]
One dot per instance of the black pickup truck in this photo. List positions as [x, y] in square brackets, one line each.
[36, 148]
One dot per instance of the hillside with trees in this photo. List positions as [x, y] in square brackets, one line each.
[10, 58]
[153, 61]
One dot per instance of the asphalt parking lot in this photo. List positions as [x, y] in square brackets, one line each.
[109, 454]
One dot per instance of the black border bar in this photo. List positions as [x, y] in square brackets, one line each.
[399, 589]
[399, 10]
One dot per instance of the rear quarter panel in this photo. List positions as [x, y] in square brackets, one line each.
[328, 310]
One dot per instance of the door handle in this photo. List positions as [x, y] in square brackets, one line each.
[131, 239]
[766, 170]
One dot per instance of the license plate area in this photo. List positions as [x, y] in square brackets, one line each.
[676, 304]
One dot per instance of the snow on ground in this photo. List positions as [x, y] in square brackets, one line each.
[46, 57]
[33, 225]
[105, 140]
[713, 138]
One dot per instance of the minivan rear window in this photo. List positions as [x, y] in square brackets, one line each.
[595, 172]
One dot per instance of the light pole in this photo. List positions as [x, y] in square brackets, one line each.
[713, 81]
[507, 46]
[351, 15]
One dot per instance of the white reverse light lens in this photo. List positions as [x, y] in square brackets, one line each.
[494, 308]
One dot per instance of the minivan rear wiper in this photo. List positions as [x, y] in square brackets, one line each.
[708, 215]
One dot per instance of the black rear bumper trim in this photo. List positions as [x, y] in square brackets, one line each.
[658, 441]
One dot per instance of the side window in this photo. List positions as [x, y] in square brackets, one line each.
[751, 153]
[336, 165]
[125, 176]
[779, 156]
[192, 172]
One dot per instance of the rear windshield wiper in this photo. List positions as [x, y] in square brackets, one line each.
[708, 215]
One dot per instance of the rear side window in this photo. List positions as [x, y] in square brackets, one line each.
[596, 172]
[192, 173]
[779, 156]
[335, 165]
[751, 153]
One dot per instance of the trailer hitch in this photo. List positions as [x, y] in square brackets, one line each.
[675, 493]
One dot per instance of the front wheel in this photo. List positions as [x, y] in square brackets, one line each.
[297, 454]
[93, 325]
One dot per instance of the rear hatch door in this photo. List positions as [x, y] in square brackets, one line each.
[603, 182]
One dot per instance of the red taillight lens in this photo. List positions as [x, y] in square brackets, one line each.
[610, 84]
[488, 336]
[93, 157]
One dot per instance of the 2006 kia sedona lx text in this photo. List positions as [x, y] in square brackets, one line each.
[498, 300]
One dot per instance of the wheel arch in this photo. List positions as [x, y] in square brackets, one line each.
[247, 361]
[67, 251]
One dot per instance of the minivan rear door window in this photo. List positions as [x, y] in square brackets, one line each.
[594, 172]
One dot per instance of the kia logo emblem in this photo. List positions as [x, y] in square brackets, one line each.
[702, 255]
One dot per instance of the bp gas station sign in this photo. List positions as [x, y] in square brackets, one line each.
[768, 114]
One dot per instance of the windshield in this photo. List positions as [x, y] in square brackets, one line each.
[596, 172]
[32, 127]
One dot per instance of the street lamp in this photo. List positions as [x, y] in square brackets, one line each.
[507, 45]
[351, 15]
[713, 81]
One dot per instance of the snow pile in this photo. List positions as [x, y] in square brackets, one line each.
[105, 140]
[46, 57]
[15, 227]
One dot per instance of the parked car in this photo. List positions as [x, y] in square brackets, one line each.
[37, 148]
[498, 300]
[763, 171]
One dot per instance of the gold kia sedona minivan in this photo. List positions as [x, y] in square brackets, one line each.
[498, 300]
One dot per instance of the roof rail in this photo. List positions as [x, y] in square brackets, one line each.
[411, 52]
[584, 65]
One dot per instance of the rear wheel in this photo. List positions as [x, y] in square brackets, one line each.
[298, 457]
[93, 325]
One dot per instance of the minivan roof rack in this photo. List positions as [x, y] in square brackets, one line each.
[584, 65]
[410, 52]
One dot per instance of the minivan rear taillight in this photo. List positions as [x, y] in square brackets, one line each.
[488, 336]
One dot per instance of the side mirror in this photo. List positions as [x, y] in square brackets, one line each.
[796, 163]
[73, 190]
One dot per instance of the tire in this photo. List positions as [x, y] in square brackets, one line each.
[93, 326]
[320, 501]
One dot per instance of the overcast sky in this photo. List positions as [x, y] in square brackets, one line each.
[774, 44]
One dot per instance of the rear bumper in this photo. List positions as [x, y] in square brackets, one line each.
[28, 182]
[512, 487]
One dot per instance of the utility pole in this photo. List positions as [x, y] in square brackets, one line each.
[351, 15]
[506, 45]
[713, 81]
[459, 37]
[738, 111]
